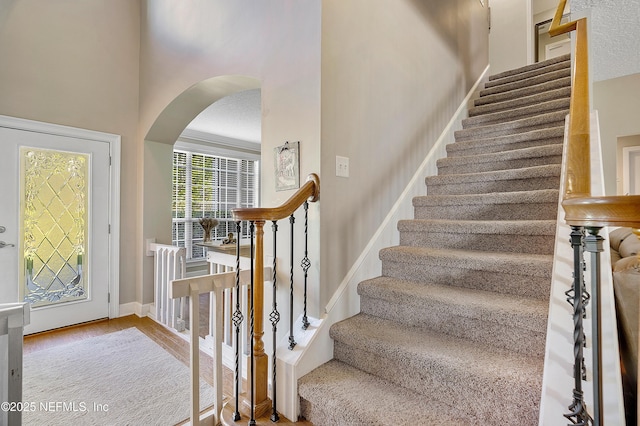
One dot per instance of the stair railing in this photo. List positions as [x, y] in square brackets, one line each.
[586, 212]
[258, 376]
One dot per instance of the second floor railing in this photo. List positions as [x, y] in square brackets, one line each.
[584, 212]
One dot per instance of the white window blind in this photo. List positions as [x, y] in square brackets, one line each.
[209, 186]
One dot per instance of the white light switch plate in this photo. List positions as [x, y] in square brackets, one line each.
[342, 166]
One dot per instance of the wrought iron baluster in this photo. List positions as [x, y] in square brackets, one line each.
[292, 341]
[578, 414]
[237, 321]
[306, 264]
[275, 318]
[593, 243]
[252, 421]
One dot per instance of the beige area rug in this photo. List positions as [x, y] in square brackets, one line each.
[121, 378]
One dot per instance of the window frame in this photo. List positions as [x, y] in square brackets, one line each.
[226, 152]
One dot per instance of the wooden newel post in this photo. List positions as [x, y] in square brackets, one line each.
[261, 361]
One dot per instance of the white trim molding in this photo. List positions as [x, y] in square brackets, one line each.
[114, 142]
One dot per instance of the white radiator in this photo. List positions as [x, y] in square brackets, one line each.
[169, 264]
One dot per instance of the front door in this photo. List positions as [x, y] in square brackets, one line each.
[54, 226]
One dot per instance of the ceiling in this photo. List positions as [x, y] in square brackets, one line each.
[237, 116]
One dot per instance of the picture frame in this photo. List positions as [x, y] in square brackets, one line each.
[287, 166]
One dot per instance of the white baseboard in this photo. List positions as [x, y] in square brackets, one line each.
[135, 308]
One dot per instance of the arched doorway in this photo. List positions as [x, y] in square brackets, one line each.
[158, 157]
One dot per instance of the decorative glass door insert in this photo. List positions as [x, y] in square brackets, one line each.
[54, 196]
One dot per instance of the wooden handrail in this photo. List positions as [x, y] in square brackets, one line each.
[581, 208]
[259, 401]
[309, 191]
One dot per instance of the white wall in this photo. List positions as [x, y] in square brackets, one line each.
[275, 44]
[511, 36]
[393, 74]
[614, 33]
[75, 63]
[618, 104]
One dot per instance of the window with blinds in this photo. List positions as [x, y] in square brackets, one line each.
[209, 186]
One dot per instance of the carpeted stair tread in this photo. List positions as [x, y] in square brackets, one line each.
[520, 274]
[512, 159]
[533, 265]
[522, 205]
[540, 137]
[496, 319]
[524, 179]
[358, 398]
[506, 227]
[530, 67]
[502, 116]
[524, 236]
[530, 81]
[425, 360]
[550, 119]
[531, 100]
[532, 197]
[493, 81]
[454, 329]
[524, 91]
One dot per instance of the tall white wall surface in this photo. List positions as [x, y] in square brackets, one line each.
[393, 75]
[614, 33]
[511, 36]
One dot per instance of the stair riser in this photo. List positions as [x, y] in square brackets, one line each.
[528, 286]
[515, 114]
[479, 149]
[499, 165]
[318, 417]
[528, 91]
[513, 128]
[446, 318]
[534, 244]
[541, 211]
[522, 76]
[484, 187]
[454, 388]
[528, 68]
[536, 80]
[520, 102]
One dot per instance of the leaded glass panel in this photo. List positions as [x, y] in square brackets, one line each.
[54, 197]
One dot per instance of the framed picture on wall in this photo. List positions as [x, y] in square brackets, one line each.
[287, 166]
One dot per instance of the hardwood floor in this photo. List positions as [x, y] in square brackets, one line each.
[169, 341]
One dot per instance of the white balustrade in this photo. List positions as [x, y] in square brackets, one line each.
[220, 286]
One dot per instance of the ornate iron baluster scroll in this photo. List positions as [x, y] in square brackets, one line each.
[274, 317]
[292, 340]
[578, 414]
[593, 243]
[237, 321]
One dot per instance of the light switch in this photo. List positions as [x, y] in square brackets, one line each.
[342, 166]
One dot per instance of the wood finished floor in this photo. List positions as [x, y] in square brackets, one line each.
[169, 341]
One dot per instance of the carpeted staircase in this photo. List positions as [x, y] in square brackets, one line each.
[453, 332]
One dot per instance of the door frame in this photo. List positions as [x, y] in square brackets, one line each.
[627, 153]
[114, 193]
